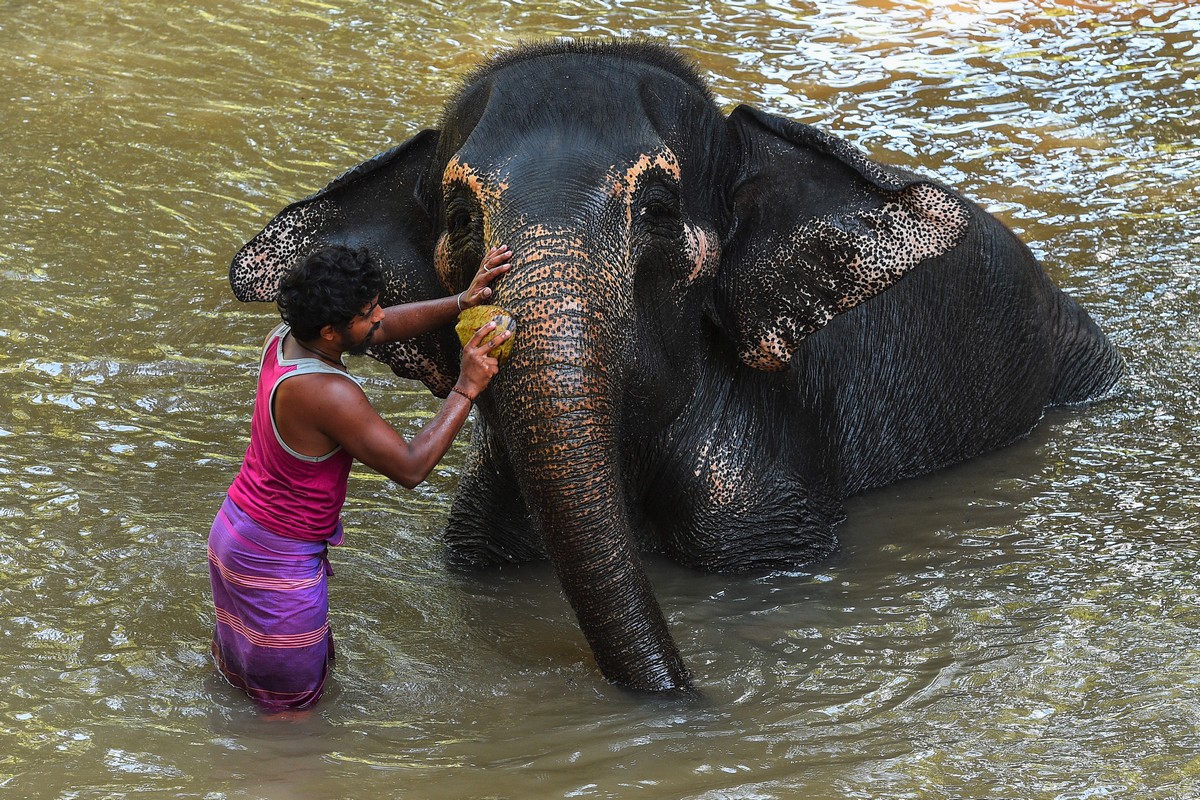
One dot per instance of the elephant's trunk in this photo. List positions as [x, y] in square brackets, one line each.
[558, 411]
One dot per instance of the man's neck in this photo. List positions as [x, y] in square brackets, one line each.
[322, 350]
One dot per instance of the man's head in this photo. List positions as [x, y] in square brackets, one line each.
[330, 286]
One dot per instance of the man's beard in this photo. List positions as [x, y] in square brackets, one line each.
[361, 348]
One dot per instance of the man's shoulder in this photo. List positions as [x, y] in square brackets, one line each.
[320, 382]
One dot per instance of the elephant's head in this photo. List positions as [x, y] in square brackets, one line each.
[656, 242]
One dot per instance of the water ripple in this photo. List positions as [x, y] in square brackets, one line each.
[1021, 626]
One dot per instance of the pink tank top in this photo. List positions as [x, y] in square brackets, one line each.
[286, 492]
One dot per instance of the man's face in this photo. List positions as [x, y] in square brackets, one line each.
[359, 331]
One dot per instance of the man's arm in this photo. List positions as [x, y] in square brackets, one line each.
[412, 319]
[348, 417]
[318, 412]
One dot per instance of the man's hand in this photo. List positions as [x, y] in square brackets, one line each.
[478, 365]
[494, 264]
[408, 320]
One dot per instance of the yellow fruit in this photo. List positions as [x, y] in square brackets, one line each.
[472, 319]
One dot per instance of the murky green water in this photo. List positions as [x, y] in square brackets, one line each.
[1024, 626]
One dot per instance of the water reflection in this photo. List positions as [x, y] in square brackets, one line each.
[1021, 626]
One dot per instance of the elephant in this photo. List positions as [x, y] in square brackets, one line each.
[727, 324]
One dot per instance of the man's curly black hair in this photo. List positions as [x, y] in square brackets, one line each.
[328, 287]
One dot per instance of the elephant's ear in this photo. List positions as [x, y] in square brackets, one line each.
[818, 229]
[375, 205]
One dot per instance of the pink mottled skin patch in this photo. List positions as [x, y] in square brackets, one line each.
[703, 251]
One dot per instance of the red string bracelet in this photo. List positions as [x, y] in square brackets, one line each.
[464, 394]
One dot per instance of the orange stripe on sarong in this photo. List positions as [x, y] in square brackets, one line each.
[273, 640]
[261, 582]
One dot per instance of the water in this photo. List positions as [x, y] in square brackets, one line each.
[1022, 626]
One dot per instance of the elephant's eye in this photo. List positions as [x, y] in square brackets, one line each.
[658, 211]
[464, 227]
[458, 217]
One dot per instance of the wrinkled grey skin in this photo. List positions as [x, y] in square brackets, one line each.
[666, 392]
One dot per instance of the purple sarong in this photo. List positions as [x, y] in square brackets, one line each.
[271, 595]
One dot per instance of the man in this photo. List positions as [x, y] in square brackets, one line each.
[267, 546]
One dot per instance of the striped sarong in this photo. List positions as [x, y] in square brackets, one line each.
[271, 595]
